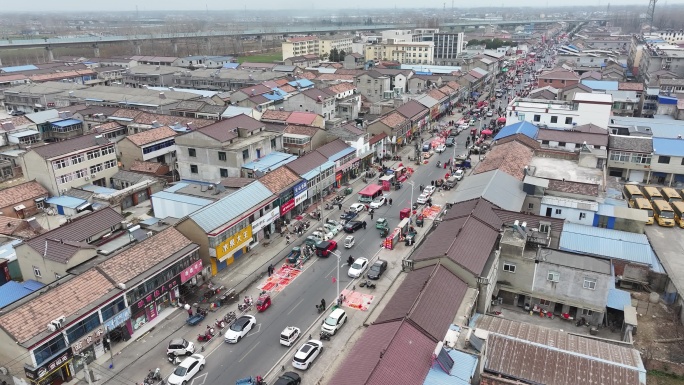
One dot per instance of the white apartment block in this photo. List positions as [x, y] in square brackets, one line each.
[402, 52]
[585, 108]
[59, 166]
[314, 45]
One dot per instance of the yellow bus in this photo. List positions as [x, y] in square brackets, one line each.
[678, 208]
[652, 193]
[631, 192]
[644, 204]
[671, 195]
[663, 213]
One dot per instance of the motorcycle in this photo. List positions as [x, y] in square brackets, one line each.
[328, 206]
[439, 164]
[581, 322]
[173, 359]
[320, 308]
[153, 377]
[368, 284]
[325, 336]
[207, 336]
[246, 305]
[230, 317]
[220, 324]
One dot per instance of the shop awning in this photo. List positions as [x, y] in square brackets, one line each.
[347, 165]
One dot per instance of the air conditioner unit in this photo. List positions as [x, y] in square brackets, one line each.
[87, 178]
[51, 327]
[57, 324]
[64, 190]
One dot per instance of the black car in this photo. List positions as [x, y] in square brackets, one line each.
[377, 269]
[288, 378]
[348, 216]
[352, 226]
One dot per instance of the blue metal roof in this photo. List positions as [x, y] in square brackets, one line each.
[231, 65]
[606, 243]
[525, 128]
[65, 201]
[66, 122]
[231, 207]
[342, 154]
[607, 85]
[669, 147]
[29, 67]
[13, 291]
[313, 173]
[182, 198]
[618, 299]
[461, 373]
[302, 83]
[7, 250]
[667, 100]
[661, 128]
[176, 187]
[270, 162]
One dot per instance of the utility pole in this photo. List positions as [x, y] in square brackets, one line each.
[85, 366]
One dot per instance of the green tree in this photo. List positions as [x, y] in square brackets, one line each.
[342, 55]
[334, 55]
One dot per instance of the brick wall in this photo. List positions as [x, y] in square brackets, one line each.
[547, 153]
[665, 366]
[493, 379]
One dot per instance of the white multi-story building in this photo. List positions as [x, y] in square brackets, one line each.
[402, 52]
[315, 45]
[571, 210]
[585, 108]
[59, 166]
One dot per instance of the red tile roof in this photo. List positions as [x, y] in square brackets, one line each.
[306, 163]
[67, 299]
[147, 167]
[630, 86]
[142, 257]
[376, 138]
[148, 136]
[559, 73]
[393, 120]
[170, 120]
[301, 130]
[508, 218]
[342, 88]
[301, 117]
[577, 137]
[225, 130]
[412, 109]
[333, 148]
[277, 180]
[579, 188]
[276, 115]
[12, 196]
[511, 158]
[437, 95]
[318, 95]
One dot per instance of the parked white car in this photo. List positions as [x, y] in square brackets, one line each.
[357, 207]
[378, 202]
[440, 149]
[358, 267]
[422, 199]
[334, 322]
[306, 354]
[187, 369]
[429, 190]
[459, 174]
[240, 328]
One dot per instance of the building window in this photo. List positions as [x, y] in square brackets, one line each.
[36, 271]
[546, 142]
[64, 178]
[582, 215]
[558, 211]
[93, 154]
[589, 284]
[537, 118]
[109, 164]
[553, 276]
[50, 349]
[192, 153]
[113, 308]
[530, 206]
[108, 150]
[82, 327]
[245, 154]
[222, 156]
[274, 144]
[544, 302]
[193, 169]
[509, 267]
[568, 120]
[554, 119]
[60, 164]
[81, 173]
[77, 159]
[664, 159]
[224, 172]
[96, 168]
[587, 312]
[561, 144]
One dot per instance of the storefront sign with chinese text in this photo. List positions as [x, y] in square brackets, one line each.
[235, 242]
[118, 319]
[158, 292]
[298, 189]
[36, 374]
[266, 220]
[301, 197]
[286, 207]
[191, 271]
[88, 340]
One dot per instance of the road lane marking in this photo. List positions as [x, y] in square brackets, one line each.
[295, 306]
[213, 350]
[202, 376]
[249, 351]
[252, 332]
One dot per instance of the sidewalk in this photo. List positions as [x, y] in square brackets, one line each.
[126, 356]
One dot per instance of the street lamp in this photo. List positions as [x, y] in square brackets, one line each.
[413, 186]
[339, 260]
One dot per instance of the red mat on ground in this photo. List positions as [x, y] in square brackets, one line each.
[279, 279]
[356, 300]
[431, 212]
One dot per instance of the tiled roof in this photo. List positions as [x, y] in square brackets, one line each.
[306, 163]
[280, 178]
[301, 130]
[412, 109]
[521, 138]
[148, 136]
[287, 88]
[225, 130]
[280, 116]
[257, 89]
[109, 126]
[533, 364]
[511, 158]
[624, 86]
[376, 138]
[393, 119]
[573, 137]
[142, 257]
[301, 117]
[74, 234]
[259, 99]
[343, 71]
[570, 187]
[169, 120]
[590, 128]
[12, 196]
[509, 217]
[333, 148]
[436, 94]
[19, 228]
[352, 128]
[342, 87]
[591, 75]
[430, 297]
[630, 143]
[29, 319]
[56, 149]
[236, 182]
[559, 73]
[467, 241]
[149, 167]
[316, 94]
[478, 207]
[126, 113]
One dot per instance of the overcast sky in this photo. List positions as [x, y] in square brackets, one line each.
[153, 5]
